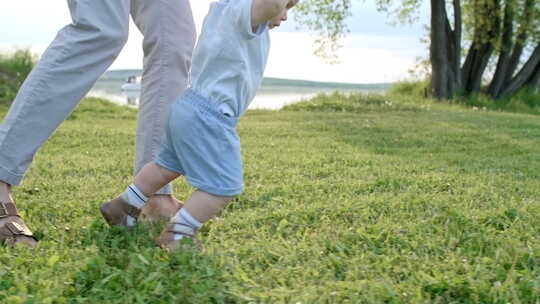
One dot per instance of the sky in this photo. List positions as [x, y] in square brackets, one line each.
[373, 52]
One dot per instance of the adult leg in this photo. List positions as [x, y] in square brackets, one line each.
[80, 53]
[169, 39]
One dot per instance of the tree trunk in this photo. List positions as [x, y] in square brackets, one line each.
[482, 47]
[516, 56]
[456, 58]
[439, 51]
[525, 75]
[445, 50]
[520, 41]
[534, 80]
[452, 76]
[475, 65]
[502, 69]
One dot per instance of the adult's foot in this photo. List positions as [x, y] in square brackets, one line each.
[13, 230]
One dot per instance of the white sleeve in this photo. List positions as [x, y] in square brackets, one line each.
[240, 11]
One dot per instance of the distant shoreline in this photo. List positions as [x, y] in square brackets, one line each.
[274, 93]
[268, 81]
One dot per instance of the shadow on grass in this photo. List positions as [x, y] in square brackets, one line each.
[129, 268]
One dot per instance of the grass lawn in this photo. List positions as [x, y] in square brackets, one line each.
[356, 201]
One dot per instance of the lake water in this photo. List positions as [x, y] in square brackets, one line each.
[268, 96]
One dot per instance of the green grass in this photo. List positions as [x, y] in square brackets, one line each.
[526, 100]
[418, 88]
[360, 200]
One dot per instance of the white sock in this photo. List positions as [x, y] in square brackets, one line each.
[135, 198]
[186, 224]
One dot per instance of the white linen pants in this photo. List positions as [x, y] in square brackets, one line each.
[79, 54]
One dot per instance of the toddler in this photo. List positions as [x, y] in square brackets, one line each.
[200, 140]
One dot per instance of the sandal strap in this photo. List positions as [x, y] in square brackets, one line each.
[11, 230]
[183, 229]
[14, 228]
[130, 210]
[8, 209]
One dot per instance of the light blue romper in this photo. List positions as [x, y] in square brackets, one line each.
[200, 140]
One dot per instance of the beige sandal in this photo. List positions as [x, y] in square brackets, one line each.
[116, 212]
[14, 230]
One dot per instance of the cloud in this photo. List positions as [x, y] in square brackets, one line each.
[26, 22]
[363, 59]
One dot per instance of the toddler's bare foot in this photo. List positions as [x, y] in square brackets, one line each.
[160, 207]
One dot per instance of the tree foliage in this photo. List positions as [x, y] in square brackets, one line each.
[505, 33]
[327, 19]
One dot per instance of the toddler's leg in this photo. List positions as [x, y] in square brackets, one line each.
[199, 208]
[153, 177]
[168, 39]
[126, 208]
[204, 206]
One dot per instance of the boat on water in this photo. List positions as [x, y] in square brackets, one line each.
[133, 83]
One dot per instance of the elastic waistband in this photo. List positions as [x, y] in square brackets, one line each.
[207, 105]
